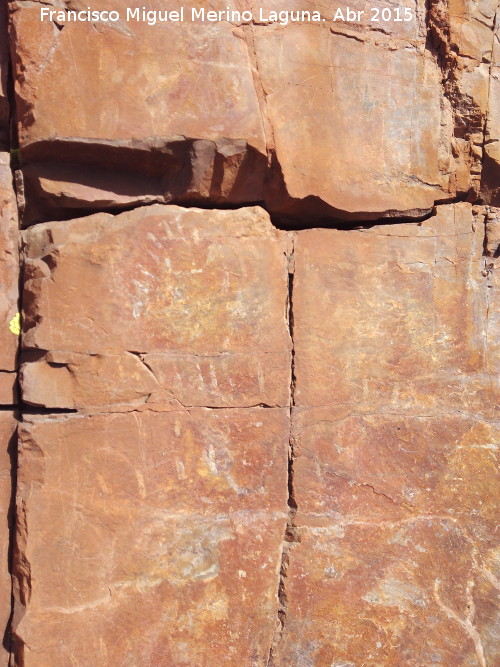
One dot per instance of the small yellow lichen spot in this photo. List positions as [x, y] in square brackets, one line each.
[15, 324]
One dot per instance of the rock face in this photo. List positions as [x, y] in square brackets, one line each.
[395, 432]
[178, 523]
[4, 76]
[491, 170]
[9, 334]
[259, 327]
[229, 111]
[172, 306]
[168, 540]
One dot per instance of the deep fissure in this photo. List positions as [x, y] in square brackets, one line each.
[290, 537]
[16, 408]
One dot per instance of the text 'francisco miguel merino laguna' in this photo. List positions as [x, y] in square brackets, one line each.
[202, 15]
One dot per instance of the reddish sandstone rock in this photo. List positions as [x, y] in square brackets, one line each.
[185, 120]
[168, 541]
[462, 36]
[395, 433]
[491, 171]
[352, 119]
[7, 450]
[9, 279]
[408, 592]
[167, 305]
[414, 297]
[158, 535]
[378, 150]
[4, 74]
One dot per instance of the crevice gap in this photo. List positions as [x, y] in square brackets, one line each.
[30, 410]
[11, 522]
[283, 223]
[291, 536]
[10, 643]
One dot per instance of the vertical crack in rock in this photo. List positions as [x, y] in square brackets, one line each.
[12, 512]
[11, 521]
[491, 251]
[249, 39]
[291, 535]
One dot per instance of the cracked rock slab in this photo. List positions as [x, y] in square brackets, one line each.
[395, 593]
[395, 447]
[166, 306]
[156, 534]
[196, 111]
[396, 318]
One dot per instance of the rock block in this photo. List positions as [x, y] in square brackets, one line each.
[392, 318]
[158, 535]
[330, 117]
[395, 439]
[4, 75]
[166, 306]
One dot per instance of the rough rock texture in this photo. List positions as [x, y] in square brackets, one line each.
[8, 425]
[229, 111]
[462, 37]
[175, 515]
[395, 434]
[242, 445]
[491, 170]
[9, 282]
[168, 305]
[4, 76]
[158, 535]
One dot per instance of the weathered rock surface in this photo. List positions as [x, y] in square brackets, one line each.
[8, 426]
[396, 436]
[171, 528]
[168, 305]
[285, 446]
[4, 74]
[9, 283]
[230, 111]
[416, 300]
[462, 36]
[156, 535]
[491, 170]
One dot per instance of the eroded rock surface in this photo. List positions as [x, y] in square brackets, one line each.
[395, 434]
[230, 111]
[174, 525]
[168, 305]
[158, 535]
[491, 171]
[241, 445]
[4, 79]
